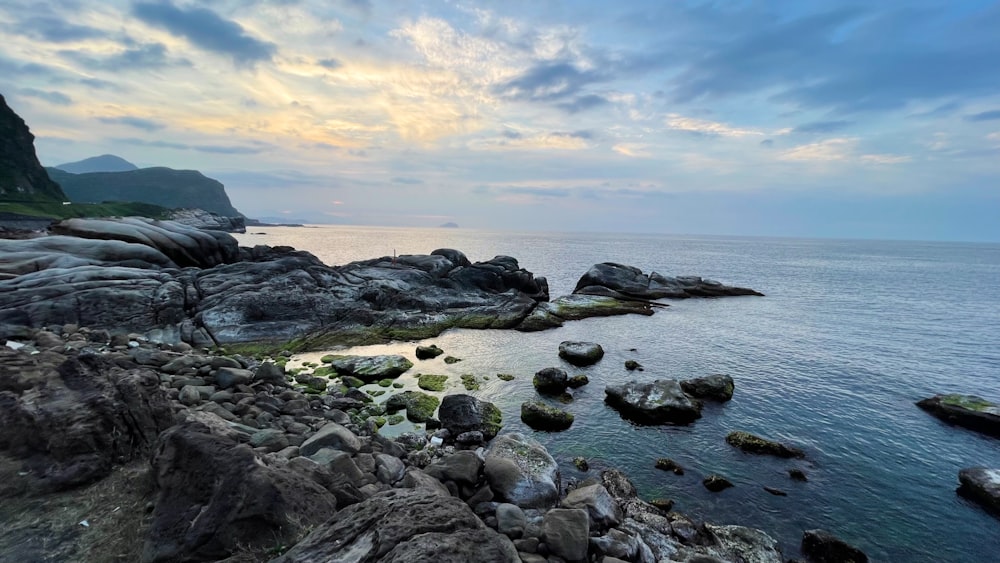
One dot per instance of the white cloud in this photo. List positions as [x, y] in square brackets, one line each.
[634, 150]
[841, 149]
[680, 123]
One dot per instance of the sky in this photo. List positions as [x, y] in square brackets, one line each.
[779, 118]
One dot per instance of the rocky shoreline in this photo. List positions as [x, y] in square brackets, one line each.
[243, 461]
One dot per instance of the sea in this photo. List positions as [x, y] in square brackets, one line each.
[849, 335]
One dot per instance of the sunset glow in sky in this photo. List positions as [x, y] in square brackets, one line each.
[818, 118]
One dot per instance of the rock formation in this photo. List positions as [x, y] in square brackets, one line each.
[22, 178]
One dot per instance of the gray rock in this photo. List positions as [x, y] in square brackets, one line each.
[970, 411]
[657, 402]
[465, 413]
[580, 353]
[550, 381]
[510, 520]
[227, 377]
[738, 543]
[982, 485]
[628, 282]
[417, 479]
[331, 435]
[716, 387]
[189, 395]
[463, 467]
[371, 368]
[520, 471]
[602, 509]
[566, 533]
[270, 439]
[390, 469]
[541, 416]
[404, 525]
[270, 372]
[340, 463]
[820, 546]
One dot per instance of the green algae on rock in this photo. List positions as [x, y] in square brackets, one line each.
[431, 382]
[419, 406]
[756, 445]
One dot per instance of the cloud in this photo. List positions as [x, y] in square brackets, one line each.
[767, 143]
[408, 181]
[583, 103]
[713, 128]
[634, 150]
[51, 96]
[143, 56]
[213, 149]
[984, 116]
[330, 63]
[822, 126]
[132, 121]
[838, 150]
[208, 30]
[53, 29]
[549, 81]
[576, 140]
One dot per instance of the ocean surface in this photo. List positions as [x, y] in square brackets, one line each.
[849, 335]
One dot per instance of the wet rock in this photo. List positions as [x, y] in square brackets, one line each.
[371, 368]
[464, 413]
[776, 492]
[657, 402]
[581, 464]
[215, 496]
[982, 485]
[716, 483]
[669, 465]
[797, 475]
[580, 353]
[428, 352]
[419, 406]
[541, 416]
[633, 365]
[404, 525]
[520, 471]
[554, 313]
[753, 444]
[716, 387]
[577, 381]
[969, 411]
[738, 543]
[551, 381]
[820, 546]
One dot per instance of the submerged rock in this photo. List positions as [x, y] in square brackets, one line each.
[981, 485]
[580, 353]
[541, 416]
[970, 411]
[820, 546]
[657, 402]
[716, 387]
[756, 445]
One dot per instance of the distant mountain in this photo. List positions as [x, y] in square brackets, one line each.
[160, 186]
[22, 178]
[103, 163]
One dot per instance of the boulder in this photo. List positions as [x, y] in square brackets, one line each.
[419, 406]
[214, 497]
[464, 413]
[580, 353]
[428, 352]
[404, 525]
[371, 368]
[226, 377]
[331, 435]
[716, 483]
[71, 419]
[658, 402]
[716, 387]
[981, 485]
[601, 507]
[541, 416]
[748, 545]
[756, 445]
[551, 381]
[970, 411]
[566, 531]
[820, 546]
[462, 467]
[511, 520]
[520, 471]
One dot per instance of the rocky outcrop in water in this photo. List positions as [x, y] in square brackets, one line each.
[627, 282]
[982, 485]
[969, 411]
[661, 401]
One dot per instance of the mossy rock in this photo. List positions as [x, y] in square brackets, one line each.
[451, 360]
[379, 421]
[541, 416]
[395, 419]
[376, 392]
[324, 371]
[385, 382]
[397, 385]
[577, 381]
[756, 445]
[419, 406]
[428, 352]
[669, 465]
[505, 376]
[432, 382]
[351, 381]
[329, 358]
[581, 463]
[470, 383]
[633, 365]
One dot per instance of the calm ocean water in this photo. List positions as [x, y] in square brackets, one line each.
[851, 333]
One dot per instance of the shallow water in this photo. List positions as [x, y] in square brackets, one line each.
[851, 333]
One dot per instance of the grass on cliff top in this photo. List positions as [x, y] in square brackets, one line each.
[56, 210]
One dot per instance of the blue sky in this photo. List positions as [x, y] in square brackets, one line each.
[800, 118]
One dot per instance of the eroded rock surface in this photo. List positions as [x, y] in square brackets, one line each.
[627, 282]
